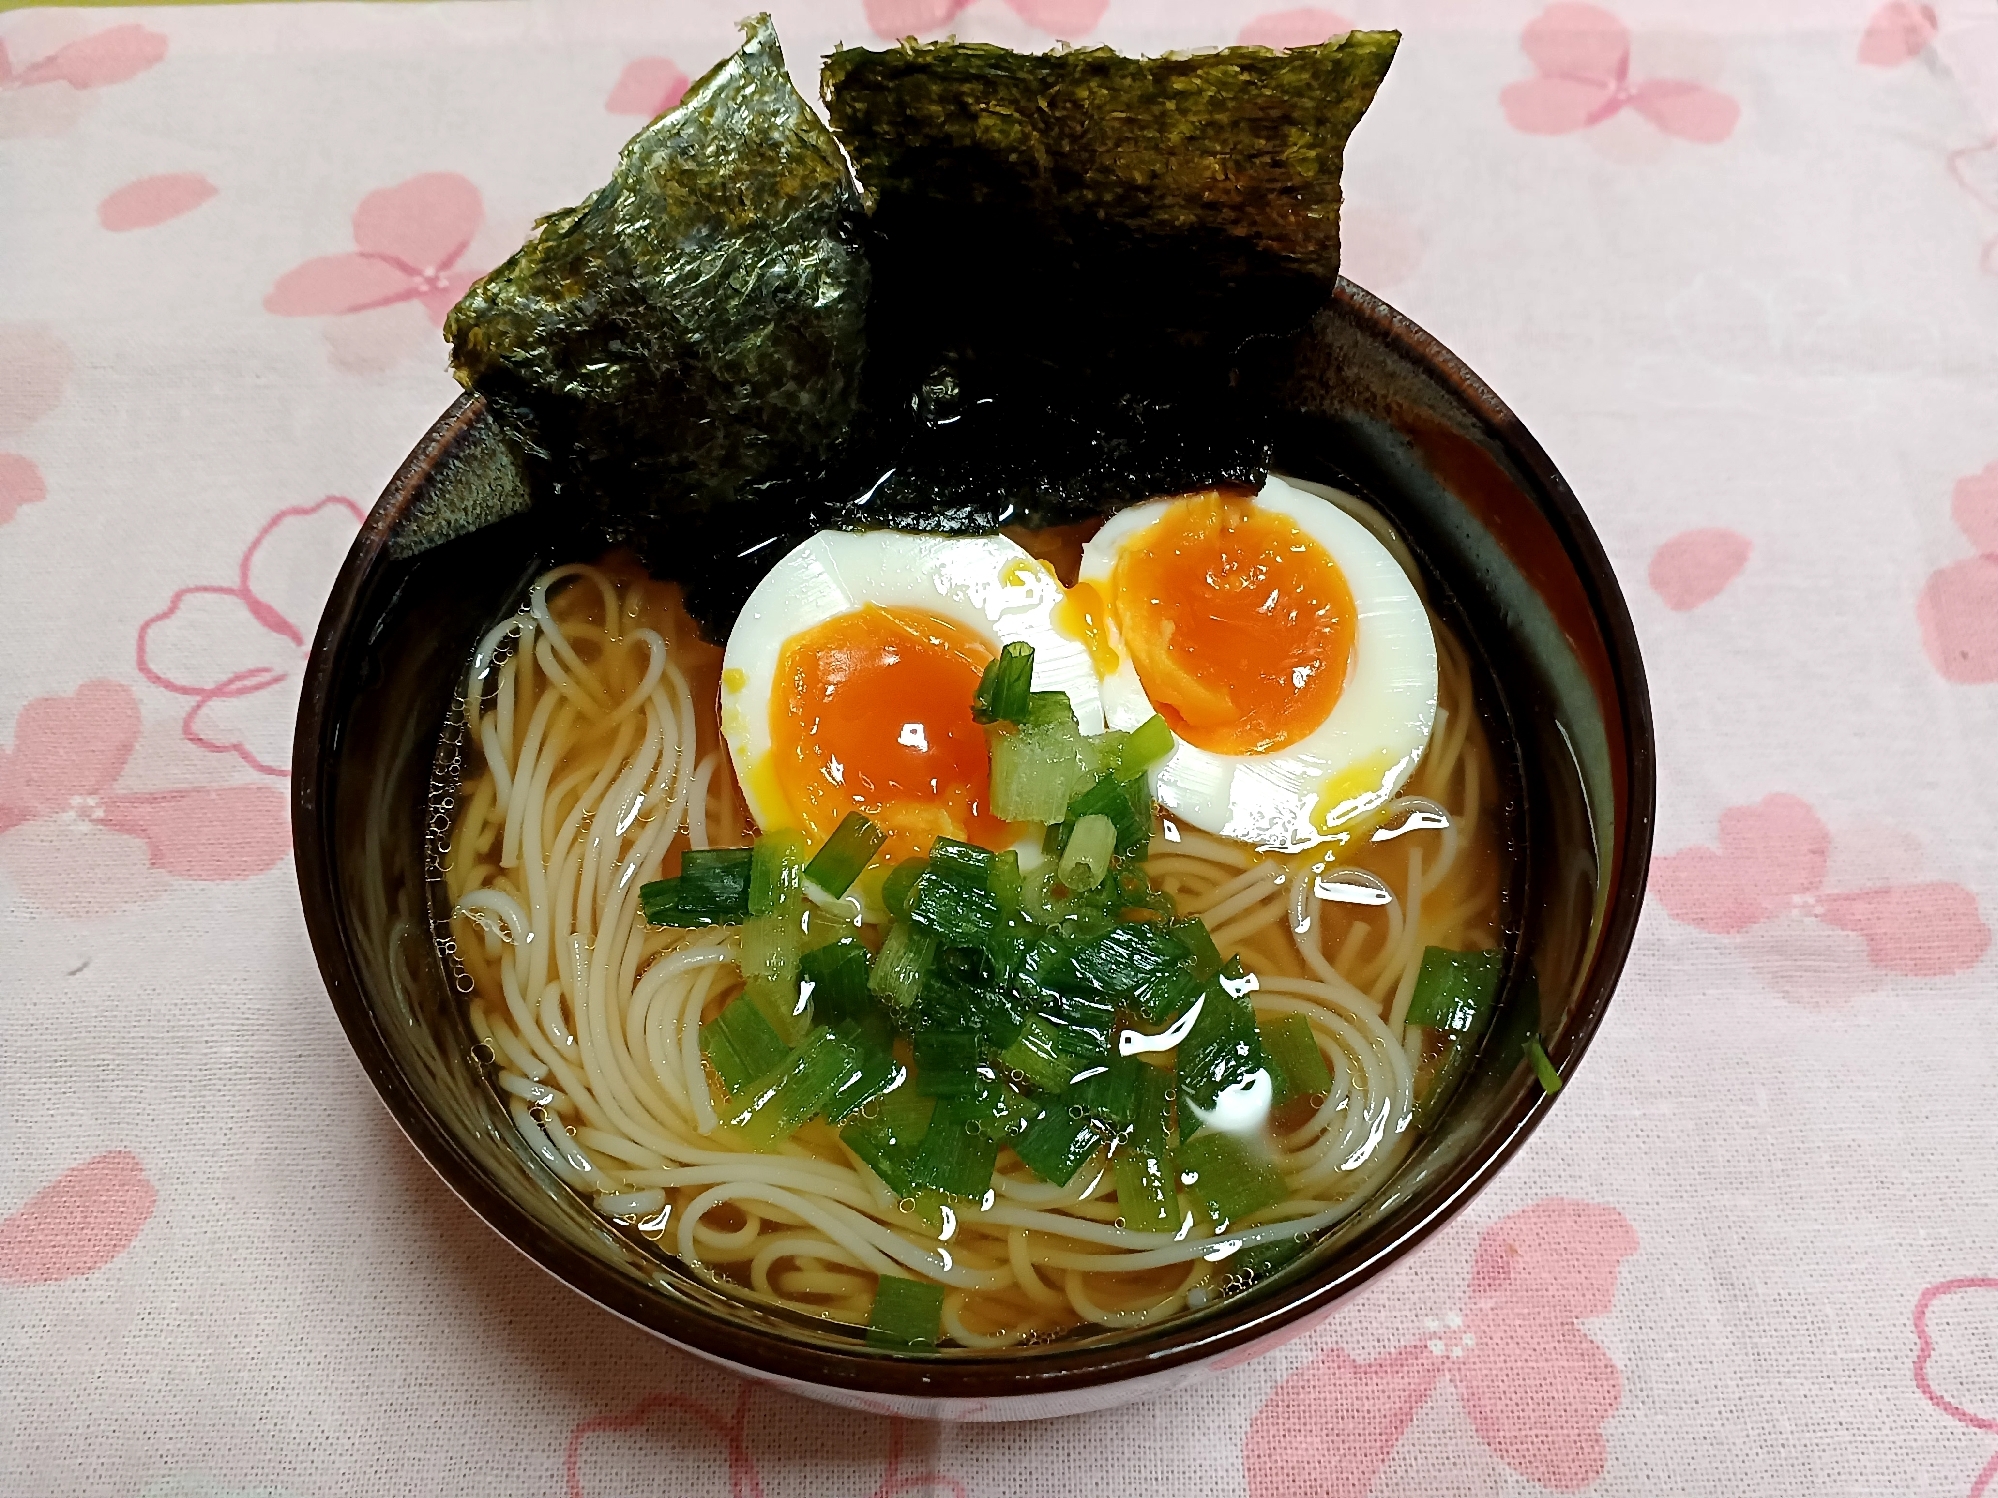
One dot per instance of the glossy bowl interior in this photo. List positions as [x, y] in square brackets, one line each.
[1374, 404]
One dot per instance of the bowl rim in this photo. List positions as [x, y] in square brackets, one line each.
[1293, 1307]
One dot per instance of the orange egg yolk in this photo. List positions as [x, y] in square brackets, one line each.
[872, 713]
[1239, 624]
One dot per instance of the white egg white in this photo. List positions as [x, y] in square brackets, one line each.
[985, 584]
[1375, 734]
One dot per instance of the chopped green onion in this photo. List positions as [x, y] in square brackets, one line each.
[1230, 1177]
[1005, 691]
[962, 993]
[1149, 742]
[741, 1044]
[902, 964]
[659, 899]
[907, 1313]
[1002, 1113]
[1296, 1065]
[1004, 879]
[1056, 1143]
[956, 1156]
[953, 912]
[834, 979]
[779, 1001]
[850, 849]
[1091, 844]
[1454, 989]
[1124, 958]
[772, 944]
[1036, 770]
[1049, 1054]
[772, 1110]
[946, 1063]
[901, 879]
[1043, 969]
[1461, 1048]
[1089, 1017]
[1106, 750]
[1543, 1068]
[712, 889]
[1128, 805]
[1044, 708]
[963, 865]
[1254, 1265]
[1144, 1169]
[776, 869]
[1192, 934]
[1111, 1092]
[887, 1143]
[1222, 1049]
[871, 1039]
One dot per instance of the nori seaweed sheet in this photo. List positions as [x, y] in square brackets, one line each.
[697, 327]
[1221, 166]
[1088, 268]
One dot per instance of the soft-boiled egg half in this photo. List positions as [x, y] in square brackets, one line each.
[848, 678]
[1281, 641]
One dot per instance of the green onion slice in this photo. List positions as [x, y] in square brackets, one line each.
[1296, 1064]
[850, 849]
[712, 889]
[1056, 1143]
[1454, 990]
[741, 1045]
[1005, 691]
[1150, 742]
[907, 1313]
[776, 867]
[887, 1143]
[1229, 1176]
[956, 1156]
[770, 1111]
[1543, 1068]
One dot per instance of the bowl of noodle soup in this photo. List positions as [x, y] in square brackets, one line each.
[503, 740]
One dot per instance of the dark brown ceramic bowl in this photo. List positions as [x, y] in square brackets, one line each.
[1377, 405]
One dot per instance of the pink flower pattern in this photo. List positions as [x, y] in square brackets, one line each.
[71, 833]
[1958, 605]
[230, 647]
[408, 240]
[648, 86]
[1773, 864]
[37, 366]
[1975, 170]
[744, 1481]
[45, 96]
[1581, 57]
[1536, 1387]
[1956, 1361]
[1067, 19]
[78, 1223]
[151, 201]
[1899, 32]
[1305, 27]
[1694, 567]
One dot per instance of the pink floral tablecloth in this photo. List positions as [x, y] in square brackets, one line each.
[1735, 264]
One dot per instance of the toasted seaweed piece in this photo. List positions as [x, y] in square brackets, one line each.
[1244, 143]
[1088, 268]
[1175, 203]
[697, 327]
